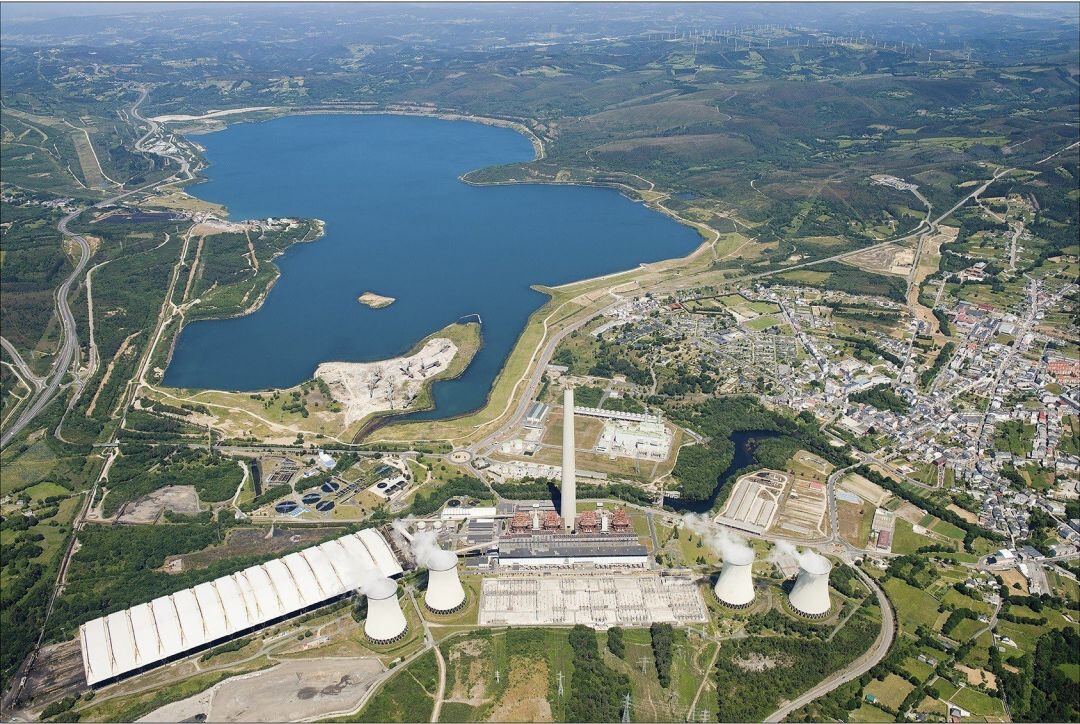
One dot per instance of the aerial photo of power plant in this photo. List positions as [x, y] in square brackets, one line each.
[539, 362]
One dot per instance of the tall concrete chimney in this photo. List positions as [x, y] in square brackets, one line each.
[569, 471]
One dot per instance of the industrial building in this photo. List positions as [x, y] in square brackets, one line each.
[549, 551]
[532, 519]
[569, 468]
[754, 501]
[641, 440]
[172, 626]
[534, 416]
[444, 591]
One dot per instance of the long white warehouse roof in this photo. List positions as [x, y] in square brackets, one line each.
[127, 640]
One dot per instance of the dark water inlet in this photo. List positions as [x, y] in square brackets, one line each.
[744, 441]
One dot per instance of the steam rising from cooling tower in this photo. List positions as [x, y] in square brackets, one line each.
[444, 592]
[810, 595]
[735, 585]
[426, 550]
[385, 621]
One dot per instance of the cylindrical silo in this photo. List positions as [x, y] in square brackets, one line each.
[385, 621]
[735, 585]
[810, 594]
[444, 591]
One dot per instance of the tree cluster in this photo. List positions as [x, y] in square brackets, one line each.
[598, 690]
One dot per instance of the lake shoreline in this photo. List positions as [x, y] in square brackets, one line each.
[548, 289]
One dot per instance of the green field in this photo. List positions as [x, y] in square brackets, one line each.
[21, 470]
[761, 323]
[914, 607]
[409, 695]
[979, 703]
[906, 540]
[917, 668]
[39, 491]
[1015, 437]
[871, 713]
[947, 529]
[890, 691]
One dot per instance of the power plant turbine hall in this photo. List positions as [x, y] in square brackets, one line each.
[385, 621]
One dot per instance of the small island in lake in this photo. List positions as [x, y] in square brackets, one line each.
[375, 301]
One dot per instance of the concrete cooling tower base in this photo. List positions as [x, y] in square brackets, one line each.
[810, 616]
[445, 611]
[374, 640]
[734, 606]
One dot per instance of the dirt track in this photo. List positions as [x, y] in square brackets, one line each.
[291, 691]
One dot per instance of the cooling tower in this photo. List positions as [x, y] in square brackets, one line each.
[385, 621]
[810, 595]
[444, 591]
[569, 469]
[735, 586]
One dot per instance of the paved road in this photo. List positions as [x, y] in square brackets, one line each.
[69, 341]
[24, 369]
[859, 666]
[526, 396]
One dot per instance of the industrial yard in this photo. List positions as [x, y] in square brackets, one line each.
[365, 388]
[600, 599]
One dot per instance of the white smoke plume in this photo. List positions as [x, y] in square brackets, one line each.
[370, 579]
[426, 550]
[378, 586]
[807, 558]
[727, 544]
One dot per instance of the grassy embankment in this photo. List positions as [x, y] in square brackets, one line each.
[569, 305]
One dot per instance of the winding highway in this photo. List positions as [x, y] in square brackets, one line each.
[69, 340]
[856, 668]
[32, 380]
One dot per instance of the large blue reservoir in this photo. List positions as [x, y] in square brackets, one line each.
[399, 222]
